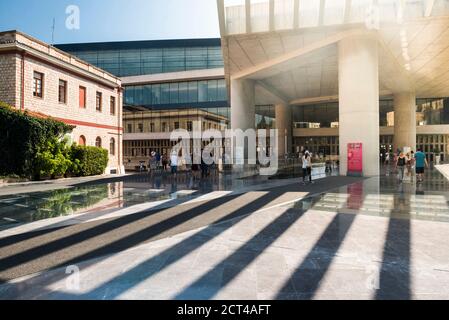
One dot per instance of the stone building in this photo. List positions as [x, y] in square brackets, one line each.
[40, 78]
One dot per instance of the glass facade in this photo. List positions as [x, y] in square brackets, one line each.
[173, 93]
[329, 145]
[432, 111]
[140, 61]
[169, 120]
[265, 117]
[315, 116]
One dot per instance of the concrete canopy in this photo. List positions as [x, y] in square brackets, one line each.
[300, 64]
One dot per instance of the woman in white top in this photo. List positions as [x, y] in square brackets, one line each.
[306, 167]
[174, 162]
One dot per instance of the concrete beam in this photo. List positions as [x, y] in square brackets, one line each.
[332, 39]
[333, 98]
[402, 81]
[205, 74]
[275, 94]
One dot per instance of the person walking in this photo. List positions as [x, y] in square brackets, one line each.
[164, 162]
[420, 163]
[158, 161]
[174, 163]
[204, 168]
[401, 162]
[411, 165]
[306, 162]
[309, 167]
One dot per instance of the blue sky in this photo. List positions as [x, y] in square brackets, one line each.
[112, 20]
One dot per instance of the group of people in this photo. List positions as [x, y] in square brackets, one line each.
[409, 164]
[156, 162]
[172, 163]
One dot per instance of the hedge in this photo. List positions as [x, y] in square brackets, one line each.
[22, 136]
[34, 147]
[88, 161]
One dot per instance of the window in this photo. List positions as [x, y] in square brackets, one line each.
[112, 106]
[140, 125]
[189, 126]
[98, 142]
[38, 81]
[176, 125]
[151, 127]
[98, 101]
[112, 147]
[62, 92]
[164, 126]
[130, 128]
[82, 141]
[82, 97]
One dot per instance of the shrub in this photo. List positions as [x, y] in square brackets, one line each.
[88, 161]
[23, 137]
[53, 159]
[34, 147]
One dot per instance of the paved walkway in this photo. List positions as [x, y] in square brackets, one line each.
[351, 239]
[31, 252]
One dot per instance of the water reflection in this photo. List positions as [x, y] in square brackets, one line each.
[97, 197]
[385, 196]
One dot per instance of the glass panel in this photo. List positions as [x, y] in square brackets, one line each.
[193, 91]
[130, 62]
[334, 12]
[147, 95]
[202, 91]
[283, 14]
[388, 10]
[151, 61]
[173, 59]
[440, 8]
[129, 95]
[309, 13]
[109, 61]
[359, 10]
[174, 93]
[88, 56]
[138, 94]
[235, 16]
[183, 92]
[414, 9]
[212, 90]
[156, 93]
[260, 13]
[165, 93]
[222, 93]
[196, 58]
[214, 58]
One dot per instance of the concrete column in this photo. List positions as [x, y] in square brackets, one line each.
[359, 100]
[404, 120]
[243, 111]
[284, 126]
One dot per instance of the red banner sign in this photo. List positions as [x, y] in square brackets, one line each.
[355, 159]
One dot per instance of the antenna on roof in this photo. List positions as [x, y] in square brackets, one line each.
[53, 32]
